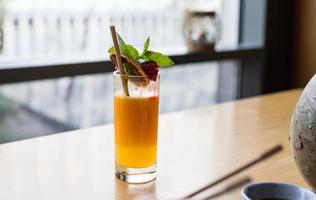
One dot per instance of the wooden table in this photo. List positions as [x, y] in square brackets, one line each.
[195, 147]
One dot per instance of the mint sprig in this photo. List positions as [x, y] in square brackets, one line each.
[160, 59]
[127, 49]
[122, 45]
[132, 52]
[147, 55]
[146, 45]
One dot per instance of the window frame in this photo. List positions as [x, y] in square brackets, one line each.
[27, 72]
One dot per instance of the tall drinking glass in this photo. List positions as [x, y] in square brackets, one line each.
[136, 124]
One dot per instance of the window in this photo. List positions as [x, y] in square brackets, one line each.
[54, 74]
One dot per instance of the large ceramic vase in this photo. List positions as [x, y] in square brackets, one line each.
[303, 133]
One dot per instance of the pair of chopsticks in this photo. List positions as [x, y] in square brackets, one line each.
[262, 157]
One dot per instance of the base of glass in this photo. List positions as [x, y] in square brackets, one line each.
[135, 175]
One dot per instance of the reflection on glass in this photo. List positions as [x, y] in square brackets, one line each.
[135, 191]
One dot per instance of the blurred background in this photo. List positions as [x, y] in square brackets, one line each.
[55, 74]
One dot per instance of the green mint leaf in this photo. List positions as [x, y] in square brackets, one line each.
[132, 52]
[127, 49]
[146, 45]
[111, 50]
[122, 45]
[160, 59]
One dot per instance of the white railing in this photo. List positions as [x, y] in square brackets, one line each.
[46, 33]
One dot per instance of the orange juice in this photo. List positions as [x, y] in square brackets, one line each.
[136, 124]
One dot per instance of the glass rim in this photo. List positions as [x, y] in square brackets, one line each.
[117, 73]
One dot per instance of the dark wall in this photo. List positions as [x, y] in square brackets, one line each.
[278, 62]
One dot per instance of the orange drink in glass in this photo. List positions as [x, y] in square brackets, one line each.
[136, 126]
[136, 105]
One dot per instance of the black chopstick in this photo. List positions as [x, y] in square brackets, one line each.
[229, 188]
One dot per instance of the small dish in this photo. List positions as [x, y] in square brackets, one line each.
[276, 191]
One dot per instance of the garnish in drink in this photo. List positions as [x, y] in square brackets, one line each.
[143, 64]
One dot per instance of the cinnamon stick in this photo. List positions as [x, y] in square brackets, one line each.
[119, 61]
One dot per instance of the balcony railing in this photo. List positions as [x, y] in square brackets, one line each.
[45, 33]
